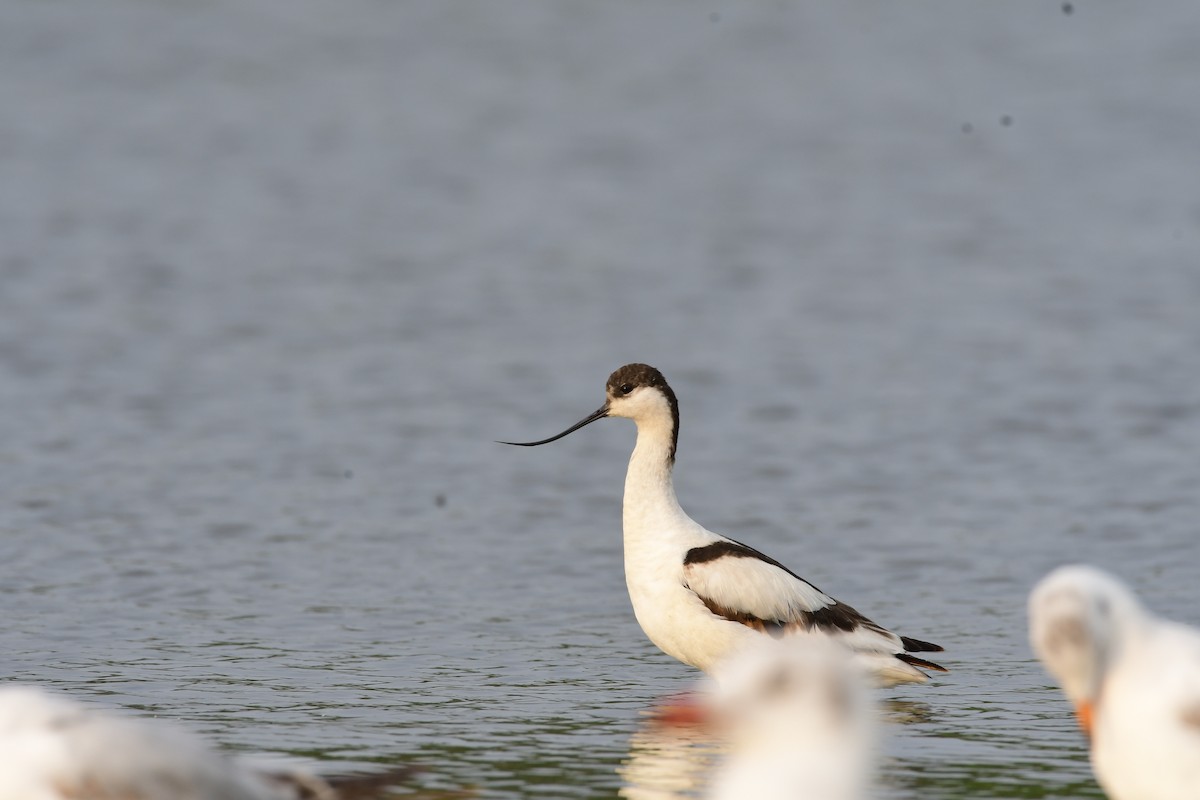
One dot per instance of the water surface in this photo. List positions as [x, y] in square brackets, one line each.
[275, 276]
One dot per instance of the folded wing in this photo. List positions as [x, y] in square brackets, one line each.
[739, 583]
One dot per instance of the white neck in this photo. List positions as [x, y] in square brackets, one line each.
[650, 501]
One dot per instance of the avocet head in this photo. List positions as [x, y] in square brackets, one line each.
[1078, 616]
[635, 391]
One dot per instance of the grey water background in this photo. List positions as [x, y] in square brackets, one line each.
[275, 275]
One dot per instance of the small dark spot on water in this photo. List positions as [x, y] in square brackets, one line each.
[35, 503]
[1165, 411]
[699, 376]
[770, 471]
[151, 276]
[228, 530]
[348, 474]
[1117, 532]
[78, 295]
[778, 412]
[1006, 121]
[439, 500]
[242, 331]
[714, 17]
[1147, 430]
[968, 127]
[1068, 9]
[147, 404]
[62, 224]
[16, 265]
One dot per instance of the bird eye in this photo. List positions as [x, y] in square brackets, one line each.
[625, 388]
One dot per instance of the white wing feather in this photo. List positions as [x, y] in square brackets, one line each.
[751, 586]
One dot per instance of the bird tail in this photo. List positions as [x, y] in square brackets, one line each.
[917, 646]
[920, 662]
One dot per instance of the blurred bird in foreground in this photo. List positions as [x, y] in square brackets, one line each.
[1134, 680]
[799, 720]
[52, 748]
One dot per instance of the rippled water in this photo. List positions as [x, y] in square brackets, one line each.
[275, 276]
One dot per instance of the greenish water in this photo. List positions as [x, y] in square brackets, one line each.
[275, 276]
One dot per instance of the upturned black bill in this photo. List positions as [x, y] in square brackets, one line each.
[599, 413]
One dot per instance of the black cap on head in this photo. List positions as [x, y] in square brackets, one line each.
[629, 377]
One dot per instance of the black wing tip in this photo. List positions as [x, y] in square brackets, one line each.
[918, 646]
[920, 662]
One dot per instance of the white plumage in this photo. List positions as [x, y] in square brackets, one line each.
[1134, 680]
[799, 721]
[52, 748]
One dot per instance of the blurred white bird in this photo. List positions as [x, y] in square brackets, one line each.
[800, 723]
[52, 748]
[1134, 680]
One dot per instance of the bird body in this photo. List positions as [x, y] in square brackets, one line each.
[700, 596]
[1147, 736]
[1133, 677]
[798, 721]
[52, 748]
